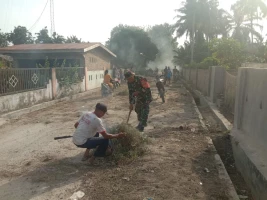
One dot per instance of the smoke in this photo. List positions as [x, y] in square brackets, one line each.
[161, 36]
[130, 54]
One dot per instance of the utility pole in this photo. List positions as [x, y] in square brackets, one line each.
[52, 17]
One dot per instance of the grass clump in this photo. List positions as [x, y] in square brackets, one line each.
[130, 147]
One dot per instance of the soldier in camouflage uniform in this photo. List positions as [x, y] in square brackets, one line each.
[140, 95]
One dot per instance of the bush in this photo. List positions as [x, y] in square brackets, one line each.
[130, 147]
[228, 52]
[209, 62]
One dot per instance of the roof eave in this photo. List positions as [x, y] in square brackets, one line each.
[41, 51]
[99, 45]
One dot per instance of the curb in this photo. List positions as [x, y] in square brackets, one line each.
[219, 163]
[220, 118]
[18, 113]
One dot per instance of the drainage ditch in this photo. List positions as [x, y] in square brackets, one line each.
[222, 143]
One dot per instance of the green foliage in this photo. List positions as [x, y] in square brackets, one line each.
[130, 147]
[67, 76]
[57, 39]
[209, 62]
[132, 46]
[202, 21]
[3, 39]
[182, 55]
[250, 11]
[73, 39]
[20, 35]
[228, 52]
[43, 37]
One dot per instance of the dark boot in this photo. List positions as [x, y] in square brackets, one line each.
[140, 127]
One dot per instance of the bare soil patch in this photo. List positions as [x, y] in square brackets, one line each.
[34, 166]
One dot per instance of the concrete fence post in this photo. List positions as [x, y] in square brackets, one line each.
[217, 82]
[196, 77]
[54, 83]
[240, 97]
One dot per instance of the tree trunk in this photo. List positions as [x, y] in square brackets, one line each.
[251, 27]
[193, 39]
[192, 44]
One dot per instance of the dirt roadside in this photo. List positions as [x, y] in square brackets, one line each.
[34, 166]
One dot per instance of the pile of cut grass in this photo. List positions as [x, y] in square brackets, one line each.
[130, 147]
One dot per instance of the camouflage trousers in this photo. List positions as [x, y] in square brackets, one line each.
[142, 111]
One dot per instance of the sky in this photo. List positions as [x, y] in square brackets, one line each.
[91, 20]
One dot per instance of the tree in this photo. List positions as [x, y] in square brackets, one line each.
[162, 36]
[57, 39]
[252, 10]
[43, 37]
[186, 23]
[3, 39]
[200, 19]
[73, 39]
[132, 46]
[241, 28]
[228, 52]
[20, 35]
[182, 55]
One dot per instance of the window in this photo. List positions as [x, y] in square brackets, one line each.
[92, 60]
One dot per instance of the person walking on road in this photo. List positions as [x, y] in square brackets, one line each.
[140, 96]
[87, 133]
[165, 74]
[169, 75]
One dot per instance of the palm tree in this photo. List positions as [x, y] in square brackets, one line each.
[252, 10]
[186, 23]
[57, 39]
[239, 27]
[73, 39]
[201, 17]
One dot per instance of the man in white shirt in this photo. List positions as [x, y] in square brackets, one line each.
[88, 128]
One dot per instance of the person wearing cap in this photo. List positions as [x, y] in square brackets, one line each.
[88, 128]
[140, 95]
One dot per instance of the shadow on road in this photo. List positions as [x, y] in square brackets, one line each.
[47, 177]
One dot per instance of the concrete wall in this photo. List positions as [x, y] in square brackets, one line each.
[249, 135]
[203, 81]
[193, 78]
[92, 80]
[25, 99]
[255, 65]
[199, 79]
[216, 82]
[230, 91]
[94, 60]
[95, 78]
[67, 91]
